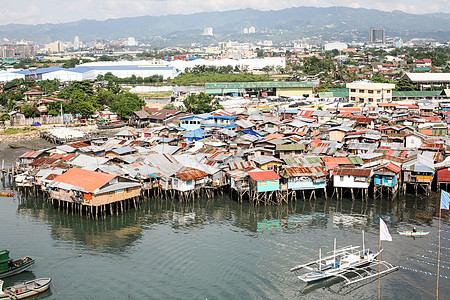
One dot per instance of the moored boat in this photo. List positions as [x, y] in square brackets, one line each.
[342, 260]
[111, 125]
[414, 233]
[25, 289]
[9, 267]
[7, 193]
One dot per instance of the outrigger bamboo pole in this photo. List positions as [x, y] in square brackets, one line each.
[379, 264]
[439, 254]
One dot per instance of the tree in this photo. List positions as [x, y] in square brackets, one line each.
[28, 111]
[201, 103]
[405, 84]
[125, 104]
[3, 99]
[5, 117]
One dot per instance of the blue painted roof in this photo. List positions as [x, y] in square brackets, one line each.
[251, 132]
[197, 133]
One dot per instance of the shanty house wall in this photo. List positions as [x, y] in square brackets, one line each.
[417, 177]
[336, 135]
[350, 181]
[111, 197]
[267, 185]
[305, 183]
[386, 179]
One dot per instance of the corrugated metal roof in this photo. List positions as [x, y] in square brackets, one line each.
[290, 147]
[88, 180]
[264, 175]
[242, 165]
[188, 173]
[352, 172]
[304, 171]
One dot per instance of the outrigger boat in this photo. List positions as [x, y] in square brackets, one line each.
[414, 234]
[344, 262]
[7, 193]
[24, 290]
[9, 267]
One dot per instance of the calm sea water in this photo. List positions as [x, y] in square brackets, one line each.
[220, 249]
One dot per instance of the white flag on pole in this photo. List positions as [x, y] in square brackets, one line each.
[384, 232]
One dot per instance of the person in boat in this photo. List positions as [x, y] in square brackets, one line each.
[414, 229]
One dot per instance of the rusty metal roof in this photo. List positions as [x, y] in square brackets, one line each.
[304, 171]
[352, 172]
[188, 173]
[242, 165]
[43, 161]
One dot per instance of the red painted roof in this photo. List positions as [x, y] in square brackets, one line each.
[88, 180]
[393, 167]
[305, 113]
[264, 175]
[443, 175]
[350, 109]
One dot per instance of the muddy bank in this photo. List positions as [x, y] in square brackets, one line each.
[14, 145]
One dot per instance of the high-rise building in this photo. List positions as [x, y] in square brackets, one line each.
[56, 47]
[76, 42]
[131, 41]
[208, 31]
[377, 35]
[251, 30]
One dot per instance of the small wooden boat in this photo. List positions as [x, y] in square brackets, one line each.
[413, 234]
[24, 290]
[9, 267]
[7, 194]
[112, 125]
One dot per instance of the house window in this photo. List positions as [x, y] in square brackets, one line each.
[189, 182]
[342, 178]
[353, 98]
[370, 99]
[378, 92]
[388, 91]
[353, 90]
[262, 183]
[370, 91]
[273, 182]
[361, 91]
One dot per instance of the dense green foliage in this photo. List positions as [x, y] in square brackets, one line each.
[84, 100]
[132, 80]
[125, 104]
[201, 103]
[313, 65]
[192, 78]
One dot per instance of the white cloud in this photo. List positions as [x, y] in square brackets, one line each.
[56, 11]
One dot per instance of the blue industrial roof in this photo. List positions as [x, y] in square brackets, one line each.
[128, 67]
[80, 69]
[39, 71]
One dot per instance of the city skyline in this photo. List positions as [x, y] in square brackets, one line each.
[48, 11]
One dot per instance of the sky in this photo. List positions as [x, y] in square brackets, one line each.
[62, 11]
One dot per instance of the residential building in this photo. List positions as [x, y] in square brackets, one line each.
[369, 92]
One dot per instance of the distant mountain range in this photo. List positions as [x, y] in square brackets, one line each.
[331, 23]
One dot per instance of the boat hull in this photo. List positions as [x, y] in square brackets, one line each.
[413, 234]
[20, 265]
[26, 289]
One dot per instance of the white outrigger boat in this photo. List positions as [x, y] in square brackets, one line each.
[24, 290]
[344, 263]
[414, 233]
